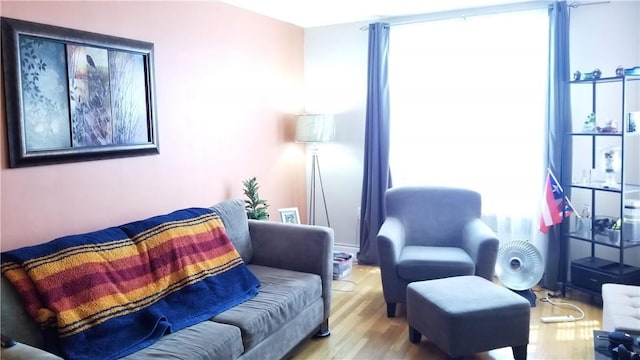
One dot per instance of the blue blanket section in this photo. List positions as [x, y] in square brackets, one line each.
[128, 333]
[113, 233]
[26, 253]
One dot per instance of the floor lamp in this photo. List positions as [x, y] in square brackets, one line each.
[312, 129]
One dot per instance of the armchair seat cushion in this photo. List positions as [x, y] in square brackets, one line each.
[419, 263]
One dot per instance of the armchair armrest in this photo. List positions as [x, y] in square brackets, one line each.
[482, 245]
[391, 240]
[304, 248]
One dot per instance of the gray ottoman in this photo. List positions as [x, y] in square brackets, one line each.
[465, 315]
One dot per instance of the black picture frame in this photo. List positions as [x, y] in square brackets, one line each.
[73, 95]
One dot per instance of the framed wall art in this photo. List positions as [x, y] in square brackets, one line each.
[289, 215]
[73, 95]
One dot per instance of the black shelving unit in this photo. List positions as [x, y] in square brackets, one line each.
[589, 273]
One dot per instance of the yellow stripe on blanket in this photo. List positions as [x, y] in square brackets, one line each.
[72, 321]
[41, 269]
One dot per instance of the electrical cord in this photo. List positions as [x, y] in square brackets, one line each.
[346, 281]
[565, 304]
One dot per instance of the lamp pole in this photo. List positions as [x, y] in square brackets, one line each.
[315, 166]
[312, 129]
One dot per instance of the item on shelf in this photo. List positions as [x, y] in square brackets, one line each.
[620, 70]
[609, 127]
[585, 180]
[583, 226]
[590, 123]
[611, 165]
[597, 73]
[594, 75]
[632, 210]
[603, 225]
[576, 75]
[631, 220]
[632, 120]
[617, 225]
[632, 71]
[614, 236]
[614, 232]
[583, 221]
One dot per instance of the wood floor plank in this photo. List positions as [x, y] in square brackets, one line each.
[360, 328]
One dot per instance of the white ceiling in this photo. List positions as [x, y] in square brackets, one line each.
[311, 13]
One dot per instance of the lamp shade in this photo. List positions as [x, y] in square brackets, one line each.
[315, 128]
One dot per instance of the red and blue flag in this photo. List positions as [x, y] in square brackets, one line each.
[554, 204]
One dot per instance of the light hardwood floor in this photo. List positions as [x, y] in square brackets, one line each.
[360, 328]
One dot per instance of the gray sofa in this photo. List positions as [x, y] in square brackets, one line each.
[294, 266]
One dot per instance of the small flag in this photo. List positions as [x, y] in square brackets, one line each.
[553, 201]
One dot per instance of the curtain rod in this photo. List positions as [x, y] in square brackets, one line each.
[577, 4]
[488, 10]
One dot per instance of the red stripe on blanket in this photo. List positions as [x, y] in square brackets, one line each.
[132, 273]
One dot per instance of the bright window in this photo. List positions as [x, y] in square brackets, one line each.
[468, 100]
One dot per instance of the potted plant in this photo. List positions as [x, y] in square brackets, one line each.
[256, 207]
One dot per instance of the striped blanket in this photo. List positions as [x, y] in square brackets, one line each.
[112, 292]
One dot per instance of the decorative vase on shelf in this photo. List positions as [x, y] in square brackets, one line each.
[612, 163]
[589, 124]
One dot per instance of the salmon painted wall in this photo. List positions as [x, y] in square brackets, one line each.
[228, 82]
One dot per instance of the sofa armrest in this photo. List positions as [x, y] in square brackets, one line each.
[304, 248]
[482, 245]
[21, 351]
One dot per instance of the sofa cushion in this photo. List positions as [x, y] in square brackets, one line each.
[432, 262]
[234, 218]
[206, 340]
[16, 322]
[21, 351]
[283, 295]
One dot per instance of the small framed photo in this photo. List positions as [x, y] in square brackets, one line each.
[289, 215]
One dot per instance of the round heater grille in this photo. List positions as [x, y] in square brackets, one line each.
[519, 265]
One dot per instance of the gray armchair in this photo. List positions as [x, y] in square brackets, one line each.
[431, 233]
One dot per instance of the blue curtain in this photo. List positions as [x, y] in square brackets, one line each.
[376, 177]
[558, 123]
